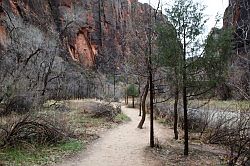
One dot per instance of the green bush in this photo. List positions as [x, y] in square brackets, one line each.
[132, 90]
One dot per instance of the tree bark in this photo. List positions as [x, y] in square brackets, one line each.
[184, 93]
[139, 90]
[127, 98]
[151, 84]
[143, 105]
[140, 105]
[133, 101]
[176, 112]
[151, 103]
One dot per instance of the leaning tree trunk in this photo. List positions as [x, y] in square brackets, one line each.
[140, 105]
[139, 89]
[143, 105]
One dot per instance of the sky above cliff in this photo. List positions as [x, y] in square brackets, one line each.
[213, 7]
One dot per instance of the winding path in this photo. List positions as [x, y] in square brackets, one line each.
[123, 146]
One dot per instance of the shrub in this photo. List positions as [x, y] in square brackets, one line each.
[132, 90]
[19, 131]
[106, 110]
[122, 118]
[234, 133]
[18, 104]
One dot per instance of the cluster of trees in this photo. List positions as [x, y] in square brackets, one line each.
[175, 56]
[198, 67]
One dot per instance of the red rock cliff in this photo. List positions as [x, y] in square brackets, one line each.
[237, 16]
[88, 29]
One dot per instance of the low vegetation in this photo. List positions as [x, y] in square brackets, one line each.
[122, 118]
[58, 130]
[229, 105]
[40, 155]
[171, 154]
[224, 126]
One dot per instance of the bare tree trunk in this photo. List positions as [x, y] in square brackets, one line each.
[143, 105]
[151, 84]
[127, 98]
[151, 103]
[185, 117]
[133, 101]
[139, 98]
[126, 91]
[176, 112]
[184, 93]
[140, 105]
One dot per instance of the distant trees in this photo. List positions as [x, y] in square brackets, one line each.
[217, 53]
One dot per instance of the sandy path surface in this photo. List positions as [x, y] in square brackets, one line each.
[123, 146]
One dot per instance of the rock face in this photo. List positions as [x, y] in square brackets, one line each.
[237, 16]
[87, 29]
[47, 45]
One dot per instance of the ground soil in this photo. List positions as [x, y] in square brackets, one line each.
[127, 145]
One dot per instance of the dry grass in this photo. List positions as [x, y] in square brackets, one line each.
[230, 105]
[171, 154]
[76, 117]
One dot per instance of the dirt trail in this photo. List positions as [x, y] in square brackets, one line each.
[123, 146]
